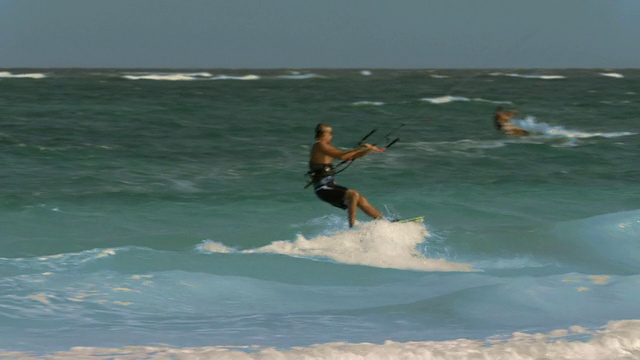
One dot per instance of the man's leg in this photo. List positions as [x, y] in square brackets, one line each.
[368, 209]
[358, 201]
[353, 198]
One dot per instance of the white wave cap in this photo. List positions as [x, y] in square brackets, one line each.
[371, 103]
[613, 75]
[162, 77]
[445, 99]
[215, 247]
[186, 76]
[530, 124]
[618, 340]
[242, 78]
[6, 74]
[379, 243]
[295, 75]
[541, 77]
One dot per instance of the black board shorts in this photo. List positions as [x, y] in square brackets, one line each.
[332, 193]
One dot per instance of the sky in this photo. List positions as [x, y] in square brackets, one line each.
[365, 34]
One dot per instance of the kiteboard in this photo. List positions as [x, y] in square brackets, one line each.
[414, 219]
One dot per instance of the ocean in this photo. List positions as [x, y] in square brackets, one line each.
[162, 214]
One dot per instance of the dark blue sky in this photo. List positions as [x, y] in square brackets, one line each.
[320, 34]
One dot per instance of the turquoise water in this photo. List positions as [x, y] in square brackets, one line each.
[150, 214]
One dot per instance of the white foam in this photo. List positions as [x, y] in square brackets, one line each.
[371, 103]
[445, 99]
[530, 124]
[297, 76]
[540, 77]
[377, 243]
[78, 257]
[194, 74]
[365, 73]
[216, 247]
[186, 76]
[498, 102]
[448, 99]
[162, 77]
[617, 340]
[613, 75]
[241, 78]
[6, 74]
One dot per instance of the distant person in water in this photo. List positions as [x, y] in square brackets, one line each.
[502, 121]
[322, 171]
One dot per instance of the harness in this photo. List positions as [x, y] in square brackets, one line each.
[320, 174]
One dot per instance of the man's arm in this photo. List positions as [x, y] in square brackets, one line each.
[368, 150]
[335, 153]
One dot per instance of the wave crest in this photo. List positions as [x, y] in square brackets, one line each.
[377, 243]
[616, 340]
[530, 124]
[6, 74]
[186, 76]
[530, 76]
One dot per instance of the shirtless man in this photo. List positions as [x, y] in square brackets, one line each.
[322, 171]
[502, 123]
